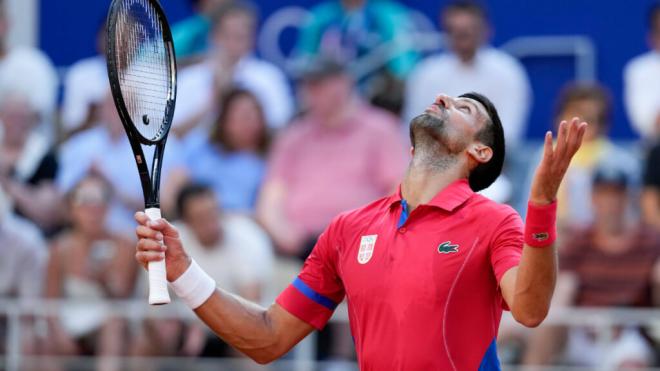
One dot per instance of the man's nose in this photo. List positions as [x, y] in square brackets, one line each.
[443, 101]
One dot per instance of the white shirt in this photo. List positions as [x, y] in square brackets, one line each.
[263, 79]
[24, 257]
[86, 83]
[493, 73]
[30, 73]
[243, 257]
[641, 79]
[114, 158]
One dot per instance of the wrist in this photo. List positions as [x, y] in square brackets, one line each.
[194, 286]
[540, 224]
[541, 201]
[176, 269]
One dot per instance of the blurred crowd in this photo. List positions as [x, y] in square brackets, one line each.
[260, 159]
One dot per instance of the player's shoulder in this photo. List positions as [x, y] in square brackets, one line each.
[359, 217]
[433, 63]
[497, 212]
[641, 64]
[88, 138]
[25, 234]
[261, 69]
[377, 119]
[494, 57]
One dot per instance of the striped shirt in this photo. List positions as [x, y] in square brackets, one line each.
[620, 277]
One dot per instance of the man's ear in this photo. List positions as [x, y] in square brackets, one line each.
[480, 153]
[412, 151]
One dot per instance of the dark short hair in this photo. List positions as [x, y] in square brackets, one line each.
[189, 192]
[581, 91]
[218, 132]
[233, 7]
[473, 7]
[492, 135]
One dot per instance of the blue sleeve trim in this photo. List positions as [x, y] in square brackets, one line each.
[490, 362]
[313, 295]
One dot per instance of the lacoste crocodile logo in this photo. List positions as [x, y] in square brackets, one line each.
[447, 247]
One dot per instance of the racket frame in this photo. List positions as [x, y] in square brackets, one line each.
[150, 181]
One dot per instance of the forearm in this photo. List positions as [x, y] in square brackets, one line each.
[244, 325]
[535, 284]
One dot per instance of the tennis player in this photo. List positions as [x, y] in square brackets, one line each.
[426, 272]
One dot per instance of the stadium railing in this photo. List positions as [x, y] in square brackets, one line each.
[603, 321]
[426, 39]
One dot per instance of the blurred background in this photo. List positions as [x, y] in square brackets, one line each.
[289, 112]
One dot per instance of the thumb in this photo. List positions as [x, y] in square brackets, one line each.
[165, 227]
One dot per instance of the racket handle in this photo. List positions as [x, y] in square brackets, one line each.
[158, 293]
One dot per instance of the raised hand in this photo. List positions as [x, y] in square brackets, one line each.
[158, 239]
[556, 159]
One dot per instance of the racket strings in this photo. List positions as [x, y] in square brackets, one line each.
[145, 67]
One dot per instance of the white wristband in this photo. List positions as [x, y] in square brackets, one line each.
[194, 286]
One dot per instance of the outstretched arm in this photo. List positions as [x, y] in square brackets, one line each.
[262, 334]
[527, 289]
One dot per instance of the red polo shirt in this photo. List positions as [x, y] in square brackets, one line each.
[422, 289]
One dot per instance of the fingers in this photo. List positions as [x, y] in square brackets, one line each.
[562, 133]
[143, 231]
[148, 251]
[572, 139]
[144, 257]
[141, 218]
[547, 147]
[161, 225]
[145, 244]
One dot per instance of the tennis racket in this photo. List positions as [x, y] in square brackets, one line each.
[142, 73]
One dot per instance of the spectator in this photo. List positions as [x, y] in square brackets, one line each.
[191, 34]
[28, 164]
[469, 65]
[651, 190]
[347, 30]
[29, 72]
[231, 62]
[89, 263]
[338, 155]
[611, 263]
[591, 103]
[641, 97]
[234, 249]
[231, 160]
[104, 150]
[85, 87]
[23, 257]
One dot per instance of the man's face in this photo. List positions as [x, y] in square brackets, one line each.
[202, 215]
[466, 32]
[18, 118]
[589, 110]
[234, 35]
[654, 33]
[609, 204]
[453, 122]
[89, 206]
[326, 96]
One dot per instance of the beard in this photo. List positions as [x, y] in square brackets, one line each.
[431, 133]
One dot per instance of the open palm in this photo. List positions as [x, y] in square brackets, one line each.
[555, 161]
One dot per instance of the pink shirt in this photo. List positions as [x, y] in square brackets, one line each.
[330, 170]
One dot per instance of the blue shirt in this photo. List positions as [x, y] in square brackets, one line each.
[235, 177]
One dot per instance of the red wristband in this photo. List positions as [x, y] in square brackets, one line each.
[540, 227]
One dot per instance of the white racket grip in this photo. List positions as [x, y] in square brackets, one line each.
[158, 293]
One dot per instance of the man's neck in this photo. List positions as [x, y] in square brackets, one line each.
[423, 183]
